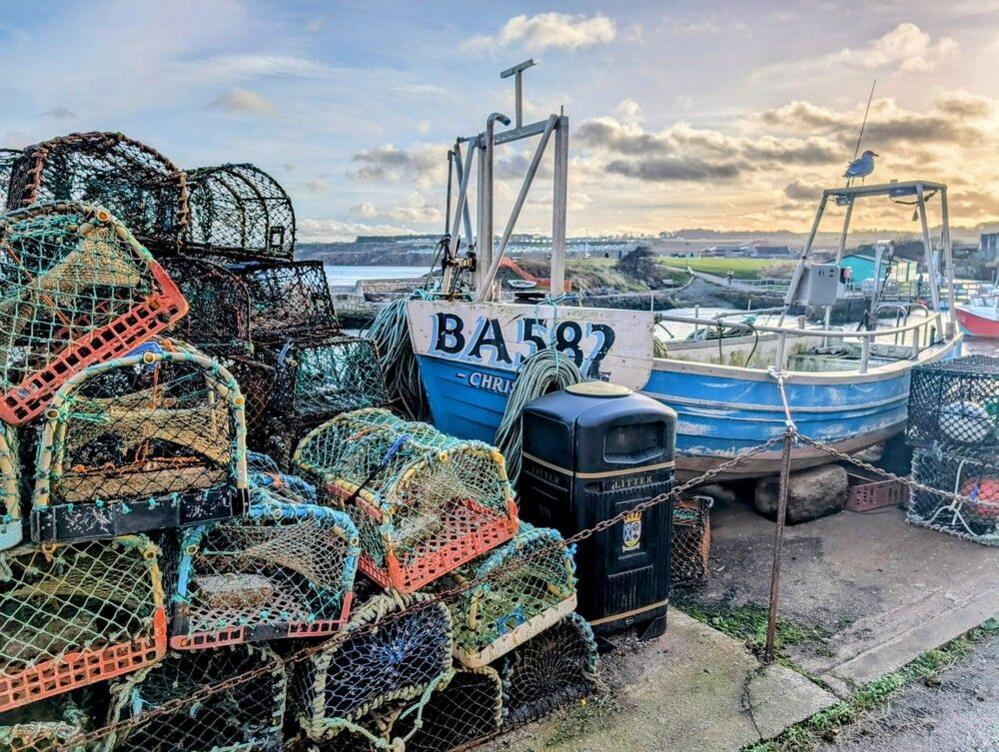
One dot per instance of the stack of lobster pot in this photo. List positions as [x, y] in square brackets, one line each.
[954, 430]
[478, 606]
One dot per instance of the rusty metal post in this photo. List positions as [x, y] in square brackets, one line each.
[785, 473]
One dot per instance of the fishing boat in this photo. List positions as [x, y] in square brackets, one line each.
[979, 317]
[732, 390]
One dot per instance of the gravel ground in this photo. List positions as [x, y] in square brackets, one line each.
[960, 714]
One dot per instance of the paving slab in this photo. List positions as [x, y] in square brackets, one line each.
[694, 688]
[885, 590]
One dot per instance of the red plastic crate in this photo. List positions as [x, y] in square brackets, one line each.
[868, 492]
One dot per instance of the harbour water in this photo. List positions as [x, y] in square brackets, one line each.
[341, 276]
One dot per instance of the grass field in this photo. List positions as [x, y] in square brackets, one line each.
[741, 268]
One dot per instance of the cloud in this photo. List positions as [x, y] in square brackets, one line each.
[674, 168]
[417, 210]
[60, 113]
[387, 163]
[803, 190]
[315, 25]
[242, 101]
[548, 30]
[906, 46]
[316, 187]
[249, 66]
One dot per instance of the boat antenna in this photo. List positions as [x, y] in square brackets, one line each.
[863, 123]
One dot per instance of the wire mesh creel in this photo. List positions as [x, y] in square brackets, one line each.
[77, 614]
[424, 503]
[151, 441]
[397, 648]
[75, 289]
[285, 570]
[955, 404]
[218, 318]
[135, 182]
[53, 724]
[969, 503]
[246, 716]
[11, 530]
[239, 211]
[522, 588]
[555, 668]
[7, 159]
[289, 300]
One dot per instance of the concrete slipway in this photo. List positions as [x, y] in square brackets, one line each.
[883, 591]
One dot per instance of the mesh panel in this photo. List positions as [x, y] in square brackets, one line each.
[76, 614]
[424, 503]
[10, 488]
[256, 381]
[138, 184]
[975, 513]
[243, 718]
[289, 300]
[527, 585]
[7, 159]
[240, 211]
[956, 404]
[285, 570]
[386, 655]
[76, 289]
[152, 440]
[52, 723]
[557, 667]
[218, 319]
[690, 543]
[469, 708]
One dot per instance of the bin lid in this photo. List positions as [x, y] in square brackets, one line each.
[598, 389]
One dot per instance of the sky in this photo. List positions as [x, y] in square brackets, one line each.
[728, 115]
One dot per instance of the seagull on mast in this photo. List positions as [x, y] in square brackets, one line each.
[860, 167]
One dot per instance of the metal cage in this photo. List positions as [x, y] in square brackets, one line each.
[7, 159]
[218, 318]
[76, 288]
[150, 441]
[11, 530]
[967, 499]
[289, 300]
[239, 211]
[133, 181]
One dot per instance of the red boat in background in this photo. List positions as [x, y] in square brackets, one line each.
[980, 316]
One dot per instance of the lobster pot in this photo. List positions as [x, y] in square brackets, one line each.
[555, 668]
[75, 289]
[284, 570]
[256, 382]
[245, 715]
[7, 159]
[53, 725]
[469, 708]
[218, 318]
[423, 503]
[318, 380]
[690, 546]
[524, 587]
[289, 300]
[150, 441]
[969, 503]
[136, 183]
[11, 531]
[396, 648]
[955, 403]
[239, 211]
[77, 614]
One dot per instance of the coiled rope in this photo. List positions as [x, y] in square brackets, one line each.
[545, 371]
[390, 332]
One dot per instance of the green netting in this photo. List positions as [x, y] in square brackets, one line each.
[468, 708]
[522, 588]
[424, 503]
[10, 488]
[44, 726]
[286, 569]
[555, 668]
[73, 615]
[245, 717]
[141, 186]
[75, 289]
[397, 648]
[156, 439]
[239, 210]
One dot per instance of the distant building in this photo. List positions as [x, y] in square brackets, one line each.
[988, 246]
[862, 267]
[772, 251]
